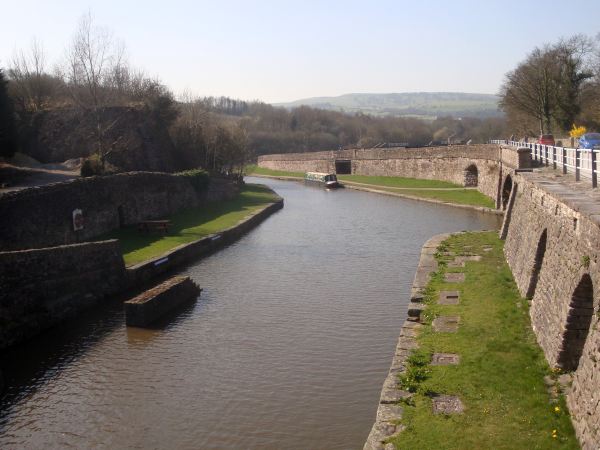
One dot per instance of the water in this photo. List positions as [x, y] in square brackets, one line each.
[287, 347]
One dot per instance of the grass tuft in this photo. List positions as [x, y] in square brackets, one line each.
[500, 375]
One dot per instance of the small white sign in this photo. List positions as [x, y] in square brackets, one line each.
[78, 220]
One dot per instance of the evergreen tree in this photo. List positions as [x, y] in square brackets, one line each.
[8, 128]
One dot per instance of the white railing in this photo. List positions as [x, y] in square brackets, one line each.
[582, 162]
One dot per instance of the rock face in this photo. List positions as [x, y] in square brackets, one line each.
[139, 141]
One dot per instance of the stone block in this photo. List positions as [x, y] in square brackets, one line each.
[449, 298]
[447, 404]
[454, 277]
[445, 359]
[446, 324]
[153, 304]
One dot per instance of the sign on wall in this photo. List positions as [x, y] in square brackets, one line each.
[78, 220]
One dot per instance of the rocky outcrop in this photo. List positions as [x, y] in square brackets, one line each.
[138, 140]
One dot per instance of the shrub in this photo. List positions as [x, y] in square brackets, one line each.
[91, 166]
[199, 178]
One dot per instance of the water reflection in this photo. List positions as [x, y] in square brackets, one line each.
[287, 346]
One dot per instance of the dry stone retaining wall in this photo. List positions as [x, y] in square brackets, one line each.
[39, 288]
[552, 249]
[42, 216]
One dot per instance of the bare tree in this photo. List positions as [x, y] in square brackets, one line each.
[91, 61]
[33, 86]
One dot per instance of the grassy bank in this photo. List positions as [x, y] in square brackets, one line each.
[500, 376]
[255, 170]
[192, 224]
[458, 196]
[415, 187]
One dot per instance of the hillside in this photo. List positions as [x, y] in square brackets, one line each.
[420, 104]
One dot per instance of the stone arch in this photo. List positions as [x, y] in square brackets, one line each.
[471, 176]
[579, 319]
[506, 189]
[537, 263]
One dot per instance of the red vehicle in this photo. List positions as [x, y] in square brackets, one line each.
[546, 139]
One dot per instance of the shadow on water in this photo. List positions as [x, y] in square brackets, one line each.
[290, 340]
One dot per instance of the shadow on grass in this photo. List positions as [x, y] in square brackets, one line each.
[191, 224]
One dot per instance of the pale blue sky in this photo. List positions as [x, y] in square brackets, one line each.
[286, 50]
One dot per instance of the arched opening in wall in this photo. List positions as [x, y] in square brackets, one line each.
[537, 263]
[506, 189]
[343, 166]
[579, 318]
[471, 176]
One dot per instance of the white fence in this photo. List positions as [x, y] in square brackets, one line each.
[582, 162]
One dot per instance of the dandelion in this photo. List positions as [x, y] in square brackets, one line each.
[557, 409]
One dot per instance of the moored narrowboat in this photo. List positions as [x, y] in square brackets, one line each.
[329, 180]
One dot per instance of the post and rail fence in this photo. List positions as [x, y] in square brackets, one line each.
[582, 162]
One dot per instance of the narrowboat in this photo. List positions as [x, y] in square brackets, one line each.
[327, 179]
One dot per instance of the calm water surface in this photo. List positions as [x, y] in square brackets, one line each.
[287, 347]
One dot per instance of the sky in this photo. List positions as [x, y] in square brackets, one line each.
[278, 51]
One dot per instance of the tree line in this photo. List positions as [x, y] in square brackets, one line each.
[219, 134]
[555, 87]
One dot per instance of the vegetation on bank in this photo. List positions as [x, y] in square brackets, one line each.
[432, 189]
[191, 224]
[500, 375]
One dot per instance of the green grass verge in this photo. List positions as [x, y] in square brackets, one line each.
[399, 182]
[461, 196]
[191, 224]
[255, 170]
[500, 376]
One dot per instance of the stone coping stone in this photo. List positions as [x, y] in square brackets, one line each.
[445, 359]
[456, 263]
[449, 298]
[454, 277]
[446, 324]
[464, 258]
[154, 303]
[447, 404]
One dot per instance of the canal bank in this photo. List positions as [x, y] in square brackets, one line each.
[43, 287]
[444, 392]
[289, 342]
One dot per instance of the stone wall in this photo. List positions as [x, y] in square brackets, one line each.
[458, 164]
[552, 249]
[39, 288]
[43, 216]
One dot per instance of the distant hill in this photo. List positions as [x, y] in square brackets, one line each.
[415, 104]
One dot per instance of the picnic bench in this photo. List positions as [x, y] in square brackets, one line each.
[154, 225]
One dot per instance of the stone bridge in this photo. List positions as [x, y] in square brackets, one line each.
[488, 167]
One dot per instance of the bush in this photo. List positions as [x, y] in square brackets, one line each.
[199, 178]
[91, 166]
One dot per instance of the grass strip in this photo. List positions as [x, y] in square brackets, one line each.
[255, 170]
[500, 375]
[192, 224]
[461, 197]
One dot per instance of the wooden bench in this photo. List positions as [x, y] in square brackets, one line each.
[154, 225]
